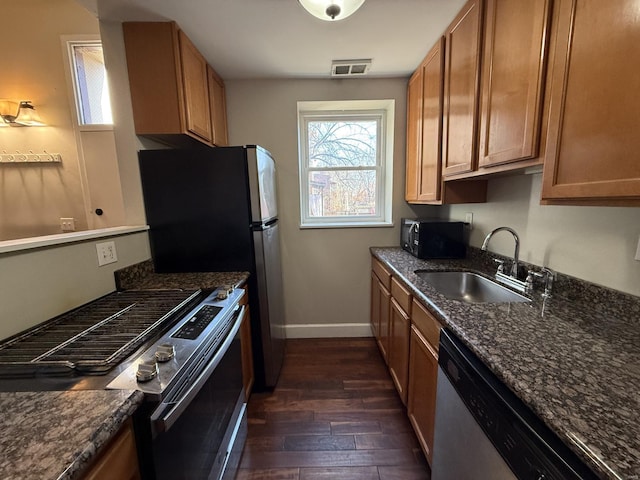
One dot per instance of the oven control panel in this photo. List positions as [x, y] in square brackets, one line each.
[162, 364]
[197, 323]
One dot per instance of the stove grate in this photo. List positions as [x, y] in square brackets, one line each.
[95, 337]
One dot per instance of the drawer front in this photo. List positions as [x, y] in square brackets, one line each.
[382, 273]
[428, 326]
[401, 294]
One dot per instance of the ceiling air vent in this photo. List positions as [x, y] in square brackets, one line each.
[350, 68]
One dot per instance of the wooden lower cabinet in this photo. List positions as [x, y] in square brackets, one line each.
[375, 306]
[399, 348]
[408, 337]
[421, 405]
[423, 375]
[380, 304]
[246, 348]
[118, 460]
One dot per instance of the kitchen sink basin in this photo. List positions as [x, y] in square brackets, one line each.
[469, 287]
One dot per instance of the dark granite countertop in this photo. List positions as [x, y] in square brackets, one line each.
[143, 277]
[574, 358]
[55, 435]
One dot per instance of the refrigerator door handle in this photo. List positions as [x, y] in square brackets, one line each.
[258, 226]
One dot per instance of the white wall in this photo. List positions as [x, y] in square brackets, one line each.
[34, 197]
[596, 244]
[326, 271]
[36, 285]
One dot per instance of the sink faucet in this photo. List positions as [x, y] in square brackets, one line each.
[514, 267]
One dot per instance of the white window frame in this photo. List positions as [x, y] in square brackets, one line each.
[380, 110]
[69, 41]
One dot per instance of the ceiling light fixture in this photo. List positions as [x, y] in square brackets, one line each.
[331, 10]
[19, 114]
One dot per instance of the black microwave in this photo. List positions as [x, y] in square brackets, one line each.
[433, 238]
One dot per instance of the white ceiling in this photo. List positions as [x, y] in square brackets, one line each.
[279, 39]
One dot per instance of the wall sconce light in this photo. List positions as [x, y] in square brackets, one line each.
[331, 10]
[19, 114]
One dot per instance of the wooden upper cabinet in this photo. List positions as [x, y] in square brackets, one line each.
[593, 145]
[430, 177]
[513, 75]
[196, 91]
[218, 107]
[424, 129]
[461, 89]
[169, 84]
[414, 135]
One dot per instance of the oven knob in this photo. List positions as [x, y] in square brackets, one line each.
[165, 352]
[147, 370]
[223, 293]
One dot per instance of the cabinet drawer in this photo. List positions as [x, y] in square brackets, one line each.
[383, 274]
[401, 294]
[426, 324]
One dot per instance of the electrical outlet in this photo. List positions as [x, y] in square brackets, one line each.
[106, 253]
[67, 224]
[469, 220]
[638, 250]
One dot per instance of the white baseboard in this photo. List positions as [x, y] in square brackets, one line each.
[328, 330]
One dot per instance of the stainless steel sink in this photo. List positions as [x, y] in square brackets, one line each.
[469, 287]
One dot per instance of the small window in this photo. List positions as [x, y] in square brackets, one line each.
[345, 177]
[90, 83]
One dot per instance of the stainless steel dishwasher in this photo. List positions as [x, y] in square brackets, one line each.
[484, 432]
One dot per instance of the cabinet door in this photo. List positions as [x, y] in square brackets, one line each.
[384, 323]
[423, 373]
[592, 139]
[513, 67]
[430, 173]
[461, 88]
[118, 460]
[218, 107]
[399, 348]
[414, 135]
[380, 302]
[152, 62]
[196, 91]
[375, 306]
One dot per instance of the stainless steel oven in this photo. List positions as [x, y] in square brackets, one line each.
[193, 425]
[180, 348]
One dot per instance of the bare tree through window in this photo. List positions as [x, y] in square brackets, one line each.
[343, 156]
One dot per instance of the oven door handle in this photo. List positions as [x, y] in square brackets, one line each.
[161, 419]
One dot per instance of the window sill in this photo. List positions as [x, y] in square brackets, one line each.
[347, 225]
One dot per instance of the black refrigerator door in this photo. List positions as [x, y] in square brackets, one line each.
[197, 206]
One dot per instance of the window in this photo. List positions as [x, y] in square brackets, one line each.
[345, 163]
[90, 85]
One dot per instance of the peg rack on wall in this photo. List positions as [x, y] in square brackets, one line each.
[18, 157]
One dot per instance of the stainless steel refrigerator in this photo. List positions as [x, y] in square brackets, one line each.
[214, 209]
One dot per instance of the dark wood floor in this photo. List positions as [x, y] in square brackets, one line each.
[334, 415]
